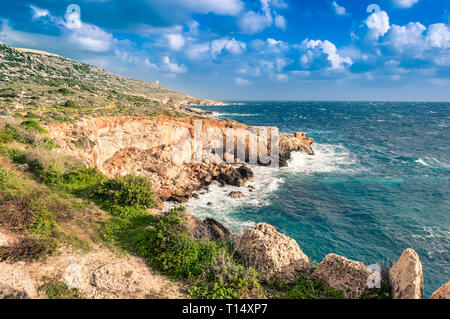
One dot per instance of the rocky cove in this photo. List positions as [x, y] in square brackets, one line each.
[144, 146]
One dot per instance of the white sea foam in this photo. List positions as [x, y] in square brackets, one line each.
[421, 161]
[224, 207]
[327, 158]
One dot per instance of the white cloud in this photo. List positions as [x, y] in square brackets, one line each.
[406, 37]
[39, 13]
[198, 51]
[339, 10]
[438, 36]
[241, 81]
[316, 48]
[405, 3]
[254, 22]
[232, 46]
[176, 41]
[280, 22]
[378, 23]
[173, 67]
[276, 44]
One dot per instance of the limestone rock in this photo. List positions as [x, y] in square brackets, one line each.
[236, 194]
[276, 256]
[343, 274]
[406, 276]
[442, 293]
[15, 282]
[211, 229]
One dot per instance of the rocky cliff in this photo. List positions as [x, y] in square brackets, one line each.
[165, 148]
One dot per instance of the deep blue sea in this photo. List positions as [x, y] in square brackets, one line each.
[379, 182]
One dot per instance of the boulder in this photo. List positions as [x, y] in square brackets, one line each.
[343, 274]
[442, 293]
[406, 276]
[246, 173]
[236, 195]
[274, 255]
[211, 229]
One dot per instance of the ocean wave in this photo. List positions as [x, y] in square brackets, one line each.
[421, 161]
[256, 194]
[328, 158]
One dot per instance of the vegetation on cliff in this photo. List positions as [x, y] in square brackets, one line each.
[45, 194]
[57, 89]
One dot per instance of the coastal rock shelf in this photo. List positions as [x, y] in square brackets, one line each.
[146, 145]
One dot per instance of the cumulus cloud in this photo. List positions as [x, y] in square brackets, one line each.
[254, 22]
[280, 22]
[339, 10]
[225, 44]
[173, 67]
[87, 36]
[176, 41]
[317, 50]
[378, 24]
[404, 3]
[198, 51]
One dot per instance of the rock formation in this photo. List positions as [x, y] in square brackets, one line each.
[276, 256]
[406, 276]
[166, 151]
[343, 274]
[442, 293]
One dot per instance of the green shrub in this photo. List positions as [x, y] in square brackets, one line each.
[6, 137]
[226, 279]
[128, 190]
[64, 91]
[81, 181]
[307, 288]
[58, 290]
[48, 144]
[33, 125]
[70, 104]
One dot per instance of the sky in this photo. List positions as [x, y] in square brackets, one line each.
[251, 49]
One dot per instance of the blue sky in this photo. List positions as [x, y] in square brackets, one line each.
[259, 49]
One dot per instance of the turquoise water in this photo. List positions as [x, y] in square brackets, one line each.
[379, 182]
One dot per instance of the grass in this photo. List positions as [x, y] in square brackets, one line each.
[41, 215]
[304, 288]
[58, 290]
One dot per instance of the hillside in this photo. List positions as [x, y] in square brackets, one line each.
[61, 89]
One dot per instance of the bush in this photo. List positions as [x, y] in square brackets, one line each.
[226, 279]
[47, 165]
[33, 125]
[27, 249]
[58, 290]
[305, 288]
[6, 137]
[81, 181]
[128, 190]
[71, 104]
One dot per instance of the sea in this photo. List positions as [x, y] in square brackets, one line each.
[379, 181]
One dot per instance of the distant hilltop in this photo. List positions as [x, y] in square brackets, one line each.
[34, 79]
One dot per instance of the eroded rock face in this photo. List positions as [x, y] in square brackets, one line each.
[211, 229]
[276, 256]
[406, 276]
[343, 274]
[163, 148]
[442, 293]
